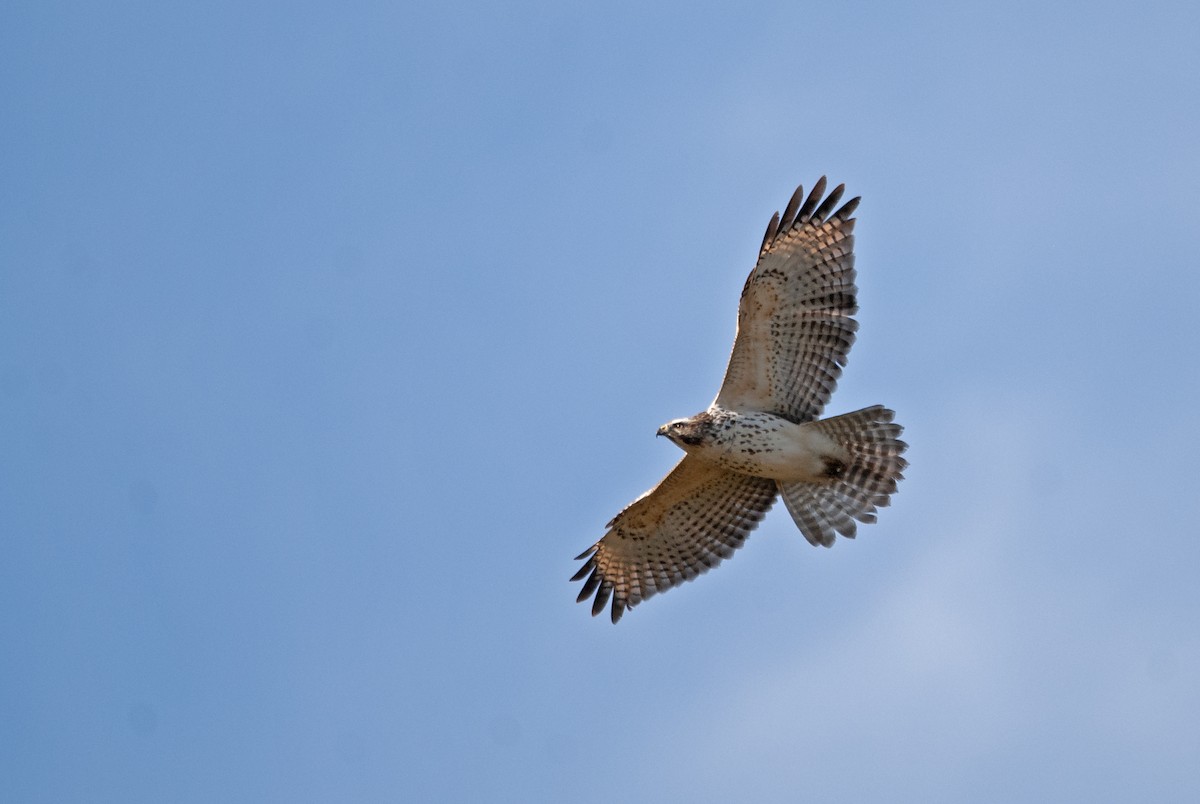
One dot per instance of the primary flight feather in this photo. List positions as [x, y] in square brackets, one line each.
[761, 437]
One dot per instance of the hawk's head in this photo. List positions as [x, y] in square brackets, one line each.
[687, 432]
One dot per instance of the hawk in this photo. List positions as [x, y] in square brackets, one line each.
[762, 436]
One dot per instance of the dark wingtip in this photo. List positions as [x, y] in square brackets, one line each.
[789, 212]
[829, 203]
[589, 565]
[769, 237]
[815, 207]
[602, 596]
[848, 208]
[618, 608]
[814, 198]
[589, 586]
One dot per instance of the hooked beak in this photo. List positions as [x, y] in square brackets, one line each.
[662, 430]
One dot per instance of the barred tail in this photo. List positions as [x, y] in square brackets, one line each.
[822, 510]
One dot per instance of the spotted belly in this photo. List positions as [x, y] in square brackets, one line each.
[764, 445]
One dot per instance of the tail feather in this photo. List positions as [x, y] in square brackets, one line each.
[823, 510]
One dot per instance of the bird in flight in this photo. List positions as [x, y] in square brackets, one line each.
[762, 436]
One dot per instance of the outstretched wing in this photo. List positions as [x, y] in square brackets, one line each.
[697, 516]
[795, 319]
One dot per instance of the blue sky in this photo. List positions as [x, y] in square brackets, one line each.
[330, 334]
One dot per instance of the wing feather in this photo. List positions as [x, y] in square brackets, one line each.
[795, 318]
[686, 525]
[810, 203]
[789, 212]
